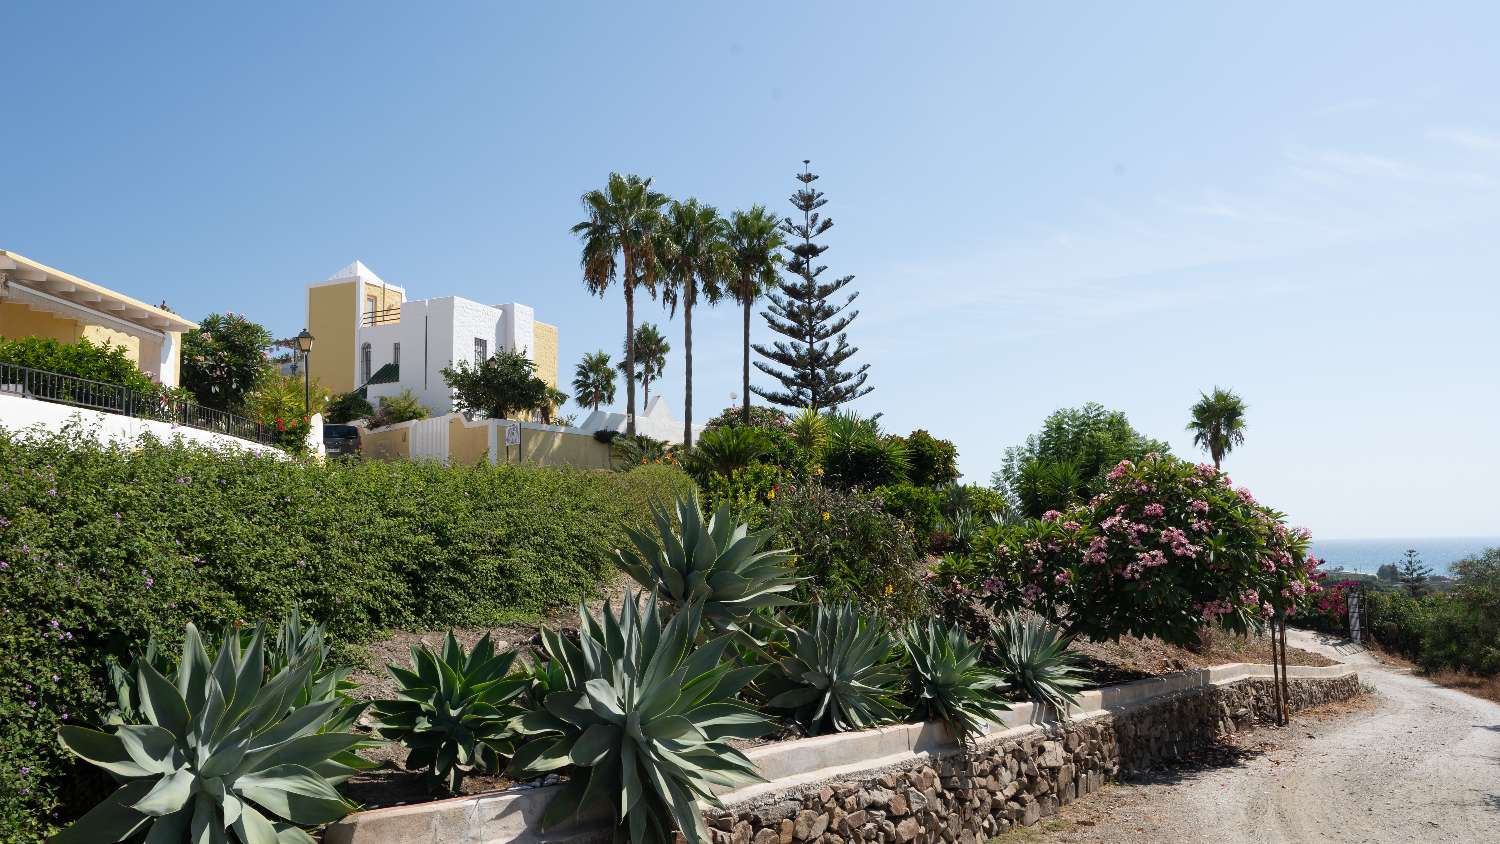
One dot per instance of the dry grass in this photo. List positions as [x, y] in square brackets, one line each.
[1474, 684]
[1131, 658]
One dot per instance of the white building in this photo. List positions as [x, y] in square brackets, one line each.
[368, 334]
[657, 422]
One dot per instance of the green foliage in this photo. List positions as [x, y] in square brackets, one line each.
[348, 407]
[849, 549]
[1413, 574]
[404, 407]
[770, 418]
[222, 749]
[103, 547]
[224, 359]
[719, 566]
[640, 720]
[651, 350]
[1034, 660]
[454, 709]
[1066, 461]
[1218, 423]
[859, 456]
[1165, 548]
[947, 682]
[839, 675]
[746, 491]
[278, 402]
[594, 380]
[504, 385]
[916, 506]
[83, 359]
[630, 452]
[809, 431]
[724, 450]
[934, 462]
[1458, 629]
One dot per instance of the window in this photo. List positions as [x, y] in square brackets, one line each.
[369, 304]
[396, 354]
[481, 351]
[364, 363]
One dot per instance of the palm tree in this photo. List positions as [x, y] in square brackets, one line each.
[1218, 423]
[551, 401]
[651, 353]
[623, 219]
[695, 261]
[594, 380]
[755, 244]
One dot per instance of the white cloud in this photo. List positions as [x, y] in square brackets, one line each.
[1472, 139]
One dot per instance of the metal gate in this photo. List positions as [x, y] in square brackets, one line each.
[429, 440]
[1356, 620]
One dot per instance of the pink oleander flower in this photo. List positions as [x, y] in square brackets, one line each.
[1151, 559]
[1072, 525]
[1063, 577]
[1120, 470]
[1245, 496]
[1155, 510]
[1032, 593]
[1198, 505]
[1051, 516]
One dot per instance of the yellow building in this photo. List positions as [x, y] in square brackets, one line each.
[39, 301]
[369, 334]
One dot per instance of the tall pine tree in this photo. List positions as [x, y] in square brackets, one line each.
[809, 362]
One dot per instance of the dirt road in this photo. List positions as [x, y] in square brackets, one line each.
[1416, 763]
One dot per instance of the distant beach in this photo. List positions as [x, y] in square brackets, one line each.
[1368, 555]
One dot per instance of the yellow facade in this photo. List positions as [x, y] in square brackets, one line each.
[557, 448]
[18, 320]
[544, 336]
[333, 313]
[468, 445]
[386, 443]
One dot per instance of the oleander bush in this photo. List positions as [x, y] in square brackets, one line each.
[103, 547]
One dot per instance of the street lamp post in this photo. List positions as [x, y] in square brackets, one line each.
[304, 345]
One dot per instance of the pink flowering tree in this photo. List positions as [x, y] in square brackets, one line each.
[1166, 548]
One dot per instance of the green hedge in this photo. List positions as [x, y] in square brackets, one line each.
[83, 359]
[101, 546]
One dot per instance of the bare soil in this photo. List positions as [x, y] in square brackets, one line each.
[1132, 658]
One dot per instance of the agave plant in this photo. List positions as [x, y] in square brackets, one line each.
[1033, 658]
[838, 675]
[718, 565]
[639, 718]
[221, 752]
[453, 710]
[947, 681]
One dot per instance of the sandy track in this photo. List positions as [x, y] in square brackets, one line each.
[1420, 763]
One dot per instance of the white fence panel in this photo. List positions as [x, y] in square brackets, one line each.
[429, 440]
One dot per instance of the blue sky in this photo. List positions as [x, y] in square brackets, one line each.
[1041, 206]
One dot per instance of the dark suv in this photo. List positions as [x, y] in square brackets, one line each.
[340, 440]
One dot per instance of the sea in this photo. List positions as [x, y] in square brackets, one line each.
[1367, 555]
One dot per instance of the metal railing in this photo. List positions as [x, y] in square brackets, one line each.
[113, 398]
[381, 317]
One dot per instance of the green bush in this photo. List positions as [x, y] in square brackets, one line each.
[934, 462]
[761, 416]
[83, 359]
[101, 547]
[917, 506]
[396, 409]
[859, 456]
[849, 548]
[348, 407]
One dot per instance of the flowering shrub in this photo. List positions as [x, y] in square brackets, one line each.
[1328, 610]
[849, 549]
[101, 547]
[1165, 548]
[224, 359]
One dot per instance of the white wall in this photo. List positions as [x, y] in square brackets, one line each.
[19, 414]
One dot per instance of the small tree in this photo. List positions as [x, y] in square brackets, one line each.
[810, 362]
[399, 408]
[224, 360]
[1413, 574]
[934, 462]
[1218, 423]
[1067, 460]
[650, 357]
[1388, 573]
[594, 380]
[348, 407]
[499, 388]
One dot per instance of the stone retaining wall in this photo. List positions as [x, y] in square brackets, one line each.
[1009, 779]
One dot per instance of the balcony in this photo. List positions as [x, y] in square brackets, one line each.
[385, 316]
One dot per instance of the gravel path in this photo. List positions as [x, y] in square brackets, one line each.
[1417, 763]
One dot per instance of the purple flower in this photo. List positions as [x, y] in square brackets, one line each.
[1155, 511]
[1051, 516]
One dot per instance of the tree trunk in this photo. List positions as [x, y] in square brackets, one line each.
[745, 414]
[1286, 687]
[687, 364]
[1275, 678]
[629, 344]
